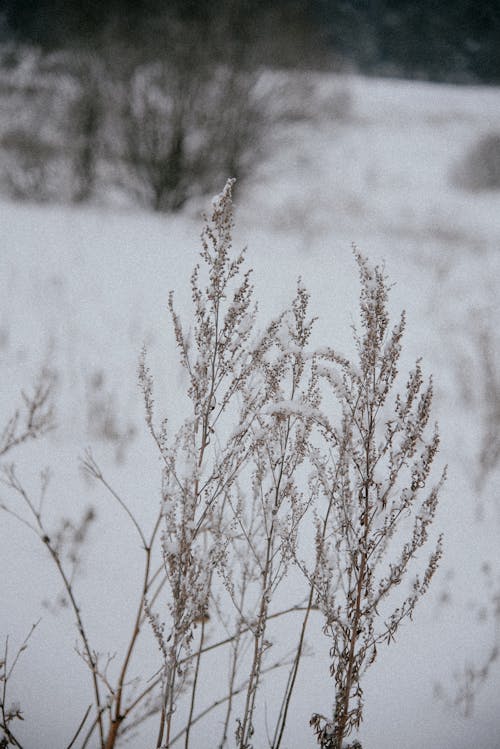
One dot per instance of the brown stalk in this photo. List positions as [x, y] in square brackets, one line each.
[259, 634]
[292, 677]
[80, 727]
[118, 717]
[195, 684]
[359, 588]
[221, 701]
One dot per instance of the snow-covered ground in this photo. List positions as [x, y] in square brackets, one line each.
[82, 289]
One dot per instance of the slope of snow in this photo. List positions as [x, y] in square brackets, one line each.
[81, 290]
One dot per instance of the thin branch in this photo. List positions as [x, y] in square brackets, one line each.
[241, 688]
[90, 466]
[80, 727]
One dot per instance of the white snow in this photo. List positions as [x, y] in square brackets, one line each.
[82, 289]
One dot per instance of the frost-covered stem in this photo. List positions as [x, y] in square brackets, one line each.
[198, 656]
[171, 691]
[163, 711]
[234, 662]
[259, 632]
[246, 730]
[159, 740]
[382, 467]
[341, 726]
[167, 709]
[292, 677]
[232, 678]
[299, 330]
[203, 447]
[367, 436]
[195, 685]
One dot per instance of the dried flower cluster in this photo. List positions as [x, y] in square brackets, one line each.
[369, 480]
[276, 438]
[34, 419]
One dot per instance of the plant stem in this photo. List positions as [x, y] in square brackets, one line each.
[195, 684]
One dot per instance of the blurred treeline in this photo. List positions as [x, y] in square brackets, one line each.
[152, 105]
[457, 41]
[155, 102]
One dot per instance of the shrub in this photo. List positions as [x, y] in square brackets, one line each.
[28, 166]
[480, 170]
[160, 129]
[177, 129]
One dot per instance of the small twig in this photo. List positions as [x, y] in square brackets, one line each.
[7, 675]
[80, 727]
[39, 416]
[90, 466]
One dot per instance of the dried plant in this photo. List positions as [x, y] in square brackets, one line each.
[472, 678]
[10, 712]
[261, 410]
[34, 418]
[270, 521]
[210, 451]
[66, 566]
[107, 419]
[474, 675]
[370, 480]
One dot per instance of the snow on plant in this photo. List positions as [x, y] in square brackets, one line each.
[269, 521]
[203, 460]
[234, 504]
[370, 473]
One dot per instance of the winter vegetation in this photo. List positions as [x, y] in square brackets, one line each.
[235, 506]
[480, 168]
[455, 42]
[222, 556]
[78, 125]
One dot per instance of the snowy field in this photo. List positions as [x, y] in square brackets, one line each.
[81, 290]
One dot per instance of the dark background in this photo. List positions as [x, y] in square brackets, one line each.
[457, 41]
